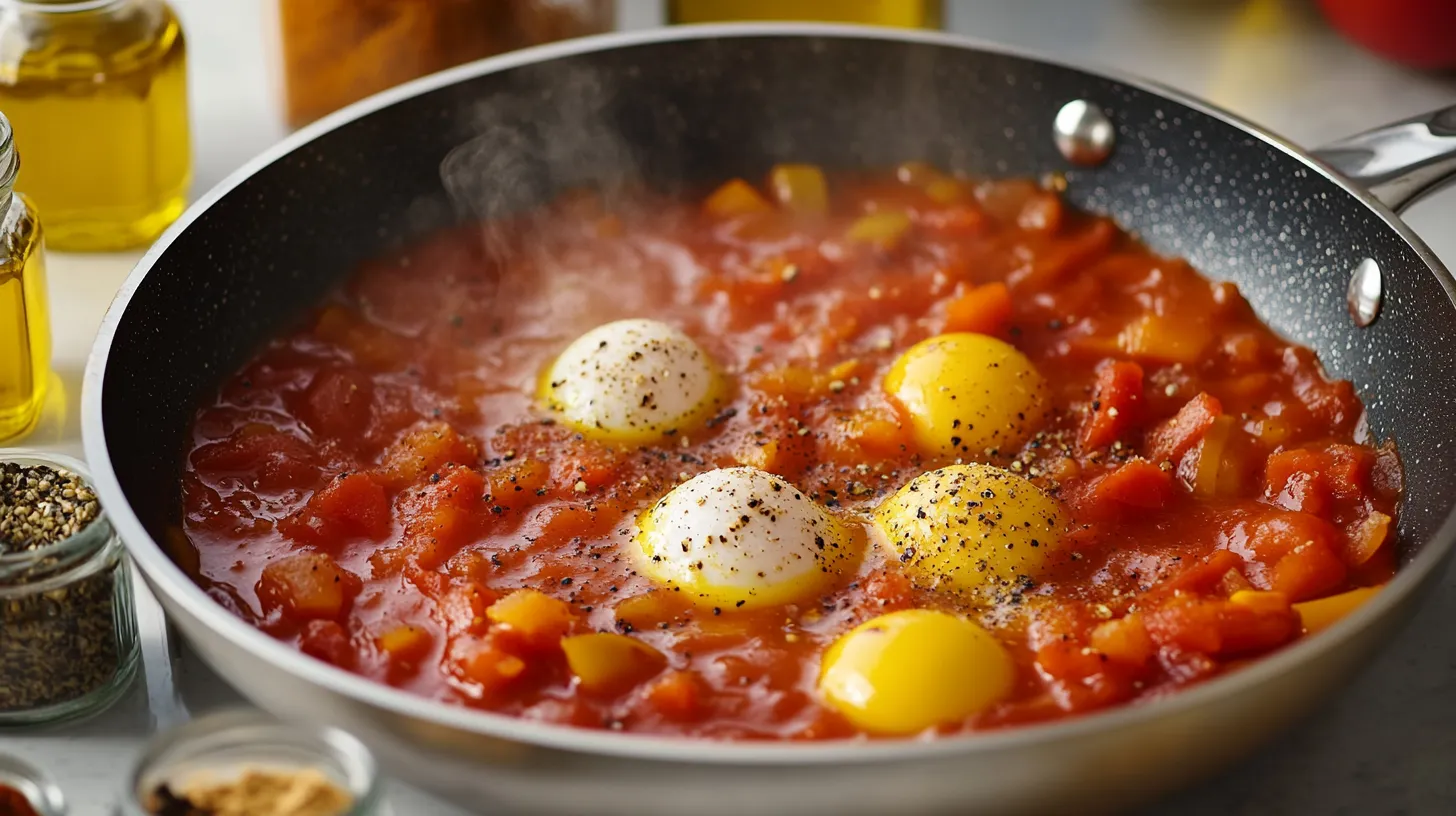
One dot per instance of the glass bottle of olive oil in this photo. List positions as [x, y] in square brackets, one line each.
[97, 93]
[25, 334]
[899, 13]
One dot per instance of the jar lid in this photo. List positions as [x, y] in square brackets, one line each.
[33, 784]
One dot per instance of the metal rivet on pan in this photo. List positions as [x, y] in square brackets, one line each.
[1083, 133]
[1366, 292]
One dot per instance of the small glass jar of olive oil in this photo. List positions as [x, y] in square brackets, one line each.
[97, 93]
[25, 332]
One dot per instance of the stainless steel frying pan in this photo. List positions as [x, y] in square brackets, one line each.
[1311, 238]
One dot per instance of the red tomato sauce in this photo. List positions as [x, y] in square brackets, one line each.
[375, 487]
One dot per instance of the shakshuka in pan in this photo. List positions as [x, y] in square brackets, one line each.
[871, 454]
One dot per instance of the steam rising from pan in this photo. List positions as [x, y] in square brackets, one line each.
[513, 165]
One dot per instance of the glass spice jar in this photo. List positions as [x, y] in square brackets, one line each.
[25, 334]
[97, 93]
[35, 790]
[215, 753]
[335, 52]
[68, 639]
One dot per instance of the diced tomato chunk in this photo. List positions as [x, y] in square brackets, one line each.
[462, 608]
[567, 521]
[1348, 470]
[1332, 402]
[337, 404]
[1221, 627]
[271, 459]
[1303, 491]
[1295, 480]
[677, 696]
[588, 462]
[1117, 403]
[1309, 570]
[982, 309]
[351, 505]
[1079, 677]
[444, 515]
[423, 451]
[1137, 484]
[1063, 257]
[1205, 574]
[308, 586]
[518, 484]
[326, 640]
[484, 665]
[1292, 553]
[1173, 438]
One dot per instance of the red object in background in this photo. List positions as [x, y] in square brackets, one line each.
[15, 803]
[1419, 33]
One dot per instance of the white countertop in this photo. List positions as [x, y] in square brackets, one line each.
[1387, 746]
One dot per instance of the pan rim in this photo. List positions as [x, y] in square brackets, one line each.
[181, 590]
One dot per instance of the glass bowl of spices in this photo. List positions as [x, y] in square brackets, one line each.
[68, 640]
[246, 763]
[26, 791]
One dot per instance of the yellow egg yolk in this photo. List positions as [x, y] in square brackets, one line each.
[974, 530]
[915, 669]
[968, 395]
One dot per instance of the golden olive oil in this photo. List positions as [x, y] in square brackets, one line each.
[898, 13]
[25, 334]
[96, 93]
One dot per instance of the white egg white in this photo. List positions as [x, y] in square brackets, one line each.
[743, 538]
[632, 381]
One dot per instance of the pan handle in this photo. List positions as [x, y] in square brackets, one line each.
[1400, 162]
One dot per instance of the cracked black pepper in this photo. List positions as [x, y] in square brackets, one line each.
[58, 638]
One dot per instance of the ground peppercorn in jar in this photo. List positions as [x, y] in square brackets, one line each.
[68, 643]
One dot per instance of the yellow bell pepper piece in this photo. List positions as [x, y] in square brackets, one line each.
[608, 663]
[801, 188]
[1321, 614]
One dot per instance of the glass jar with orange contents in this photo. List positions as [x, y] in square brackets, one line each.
[895, 13]
[335, 52]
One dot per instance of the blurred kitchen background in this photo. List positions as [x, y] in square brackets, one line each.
[1278, 62]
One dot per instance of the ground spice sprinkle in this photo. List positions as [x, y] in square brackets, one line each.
[258, 792]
